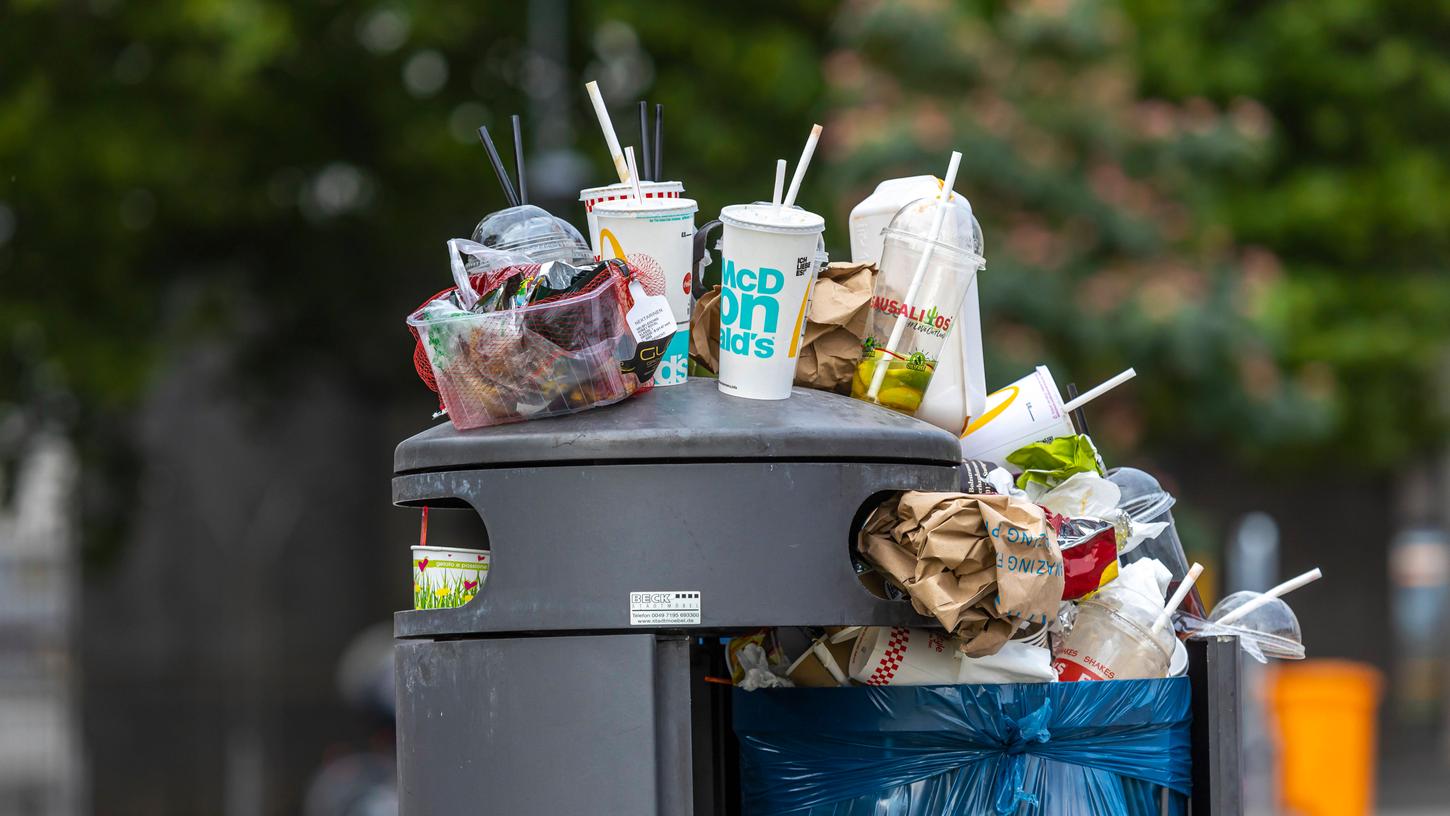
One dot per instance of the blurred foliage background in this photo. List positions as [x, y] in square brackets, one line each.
[1244, 201]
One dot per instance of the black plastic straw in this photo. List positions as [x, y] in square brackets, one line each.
[503, 176]
[1078, 417]
[659, 145]
[644, 154]
[519, 161]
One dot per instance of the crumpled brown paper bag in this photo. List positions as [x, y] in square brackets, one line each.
[835, 326]
[978, 564]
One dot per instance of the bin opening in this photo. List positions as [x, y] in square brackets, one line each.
[873, 581]
[451, 558]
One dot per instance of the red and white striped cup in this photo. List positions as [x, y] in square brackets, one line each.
[898, 656]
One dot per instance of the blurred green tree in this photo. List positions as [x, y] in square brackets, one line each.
[1157, 191]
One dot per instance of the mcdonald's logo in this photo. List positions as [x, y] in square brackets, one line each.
[976, 424]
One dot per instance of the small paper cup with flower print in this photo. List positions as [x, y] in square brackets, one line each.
[445, 577]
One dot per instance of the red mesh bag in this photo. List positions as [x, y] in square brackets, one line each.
[558, 356]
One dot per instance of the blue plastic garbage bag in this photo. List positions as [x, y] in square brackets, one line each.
[1047, 749]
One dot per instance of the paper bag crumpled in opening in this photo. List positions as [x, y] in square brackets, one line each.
[835, 325]
[980, 565]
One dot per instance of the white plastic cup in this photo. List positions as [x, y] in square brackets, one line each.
[594, 196]
[657, 236]
[1110, 640]
[769, 261]
[445, 577]
[898, 656]
[1029, 410]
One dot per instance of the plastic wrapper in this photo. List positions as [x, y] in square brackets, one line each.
[1066, 749]
[557, 355]
[1089, 554]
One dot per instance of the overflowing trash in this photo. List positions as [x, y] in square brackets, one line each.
[1053, 593]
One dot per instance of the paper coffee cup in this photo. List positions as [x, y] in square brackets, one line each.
[898, 656]
[657, 236]
[1029, 410]
[445, 577]
[594, 196]
[769, 261]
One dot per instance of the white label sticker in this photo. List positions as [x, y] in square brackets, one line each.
[650, 319]
[664, 608]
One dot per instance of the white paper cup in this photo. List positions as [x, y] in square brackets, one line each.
[1029, 410]
[445, 577]
[657, 236]
[898, 656]
[769, 262]
[594, 196]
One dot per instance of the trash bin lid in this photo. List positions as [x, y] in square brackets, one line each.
[693, 421]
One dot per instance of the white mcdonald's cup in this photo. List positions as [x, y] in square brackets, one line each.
[657, 237]
[1029, 410]
[898, 656]
[770, 257]
[594, 196]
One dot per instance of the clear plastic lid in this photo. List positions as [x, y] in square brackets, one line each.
[1273, 628]
[959, 233]
[534, 233]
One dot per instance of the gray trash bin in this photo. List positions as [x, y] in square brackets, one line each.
[624, 541]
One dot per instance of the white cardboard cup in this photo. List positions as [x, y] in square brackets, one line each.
[593, 196]
[445, 577]
[769, 263]
[1029, 410]
[898, 656]
[658, 237]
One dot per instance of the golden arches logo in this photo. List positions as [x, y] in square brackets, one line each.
[606, 236]
[976, 424]
[795, 339]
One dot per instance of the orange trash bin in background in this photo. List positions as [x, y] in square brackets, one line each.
[1326, 711]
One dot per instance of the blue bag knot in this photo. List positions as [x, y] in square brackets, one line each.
[1022, 734]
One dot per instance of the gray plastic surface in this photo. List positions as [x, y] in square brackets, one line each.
[544, 726]
[690, 421]
[766, 543]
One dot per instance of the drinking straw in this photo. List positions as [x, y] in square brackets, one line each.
[1183, 589]
[503, 176]
[800, 168]
[899, 328]
[1282, 589]
[633, 173]
[644, 154]
[519, 160]
[658, 174]
[610, 140]
[1079, 419]
[779, 182]
[423, 532]
[1094, 393]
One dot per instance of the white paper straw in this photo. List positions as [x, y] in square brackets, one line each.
[620, 166]
[1282, 589]
[633, 173]
[1093, 393]
[800, 168]
[779, 182]
[1183, 589]
[899, 328]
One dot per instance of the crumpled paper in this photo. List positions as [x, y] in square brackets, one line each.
[981, 565]
[1048, 464]
[835, 325]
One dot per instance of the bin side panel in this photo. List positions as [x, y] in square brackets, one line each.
[528, 726]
